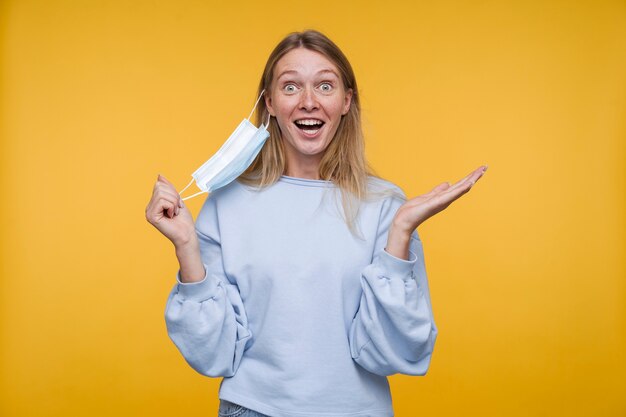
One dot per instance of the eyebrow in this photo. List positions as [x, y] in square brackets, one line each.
[323, 71]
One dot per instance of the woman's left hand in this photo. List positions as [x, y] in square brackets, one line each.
[417, 210]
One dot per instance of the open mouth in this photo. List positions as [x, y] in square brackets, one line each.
[309, 126]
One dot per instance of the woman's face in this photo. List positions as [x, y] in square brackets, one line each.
[307, 98]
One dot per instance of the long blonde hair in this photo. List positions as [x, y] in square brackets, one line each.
[344, 161]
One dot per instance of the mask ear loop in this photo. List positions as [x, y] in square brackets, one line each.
[249, 116]
[255, 104]
[193, 195]
[268, 120]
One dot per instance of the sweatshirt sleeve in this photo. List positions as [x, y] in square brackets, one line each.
[394, 330]
[206, 320]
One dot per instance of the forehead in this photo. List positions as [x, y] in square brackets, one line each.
[302, 61]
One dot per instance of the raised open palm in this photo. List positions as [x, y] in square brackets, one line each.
[417, 210]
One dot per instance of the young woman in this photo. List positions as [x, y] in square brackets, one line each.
[303, 282]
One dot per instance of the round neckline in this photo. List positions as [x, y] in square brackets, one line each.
[306, 181]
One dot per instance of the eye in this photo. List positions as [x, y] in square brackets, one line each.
[326, 87]
[289, 88]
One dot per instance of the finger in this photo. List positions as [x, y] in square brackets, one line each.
[452, 194]
[472, 177]
[461, 181]
[166, 181]
[437, 189]
[173, 195]
[160, 203]
[440, 187]
[167, 207]
[478, 174]
[446, 197]
[162, 186]
[163, 206]
[178, 201]
[420, 198]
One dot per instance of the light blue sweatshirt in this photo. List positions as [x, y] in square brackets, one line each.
[300, 317]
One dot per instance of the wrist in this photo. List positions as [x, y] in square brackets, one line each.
[401, 230]
[190, 260]
[187, 246]
[398, 242]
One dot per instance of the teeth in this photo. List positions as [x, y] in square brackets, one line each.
[309, 122]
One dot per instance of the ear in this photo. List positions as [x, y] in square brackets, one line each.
[347, 102]
[268, 102]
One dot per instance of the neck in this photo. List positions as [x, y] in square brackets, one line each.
[301, 172]
[303, 167]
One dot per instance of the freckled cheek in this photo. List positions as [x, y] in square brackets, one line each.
[283, 114]
[286, 106]
[334, 107]
[335, 113]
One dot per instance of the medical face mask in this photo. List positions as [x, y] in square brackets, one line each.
[232, 159]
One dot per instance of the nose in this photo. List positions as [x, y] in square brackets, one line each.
[308, 101]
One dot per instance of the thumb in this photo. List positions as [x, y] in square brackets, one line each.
[165, 180]
[440, 187]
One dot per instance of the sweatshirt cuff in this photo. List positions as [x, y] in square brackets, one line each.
[394, 267]
[200, 290]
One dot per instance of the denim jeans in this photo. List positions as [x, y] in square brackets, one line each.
[228, 409]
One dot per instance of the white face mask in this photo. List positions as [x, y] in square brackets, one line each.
[232, 159]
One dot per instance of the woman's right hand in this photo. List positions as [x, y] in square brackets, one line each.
[168, 213]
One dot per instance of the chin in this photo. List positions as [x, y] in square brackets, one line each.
[311, 148]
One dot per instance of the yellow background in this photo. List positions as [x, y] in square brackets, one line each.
[526, 271]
